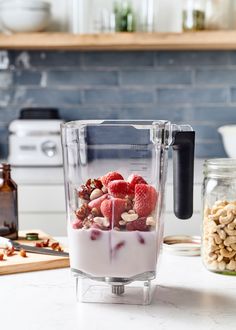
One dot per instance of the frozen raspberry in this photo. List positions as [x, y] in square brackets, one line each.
[117, 247]
[84, 192]
[145, 199]
[77, 224]
[96, 203]
[141, 238]
[94, 184]
[95, 234]
[118, 188]
[112, 209]
[139, 224]
[134, 179]
[111, 176]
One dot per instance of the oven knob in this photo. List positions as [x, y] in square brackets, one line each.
[49, 148]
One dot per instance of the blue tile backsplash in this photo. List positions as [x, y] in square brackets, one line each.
[192, 87]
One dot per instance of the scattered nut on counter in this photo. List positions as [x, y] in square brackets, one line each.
[23, 253]
[9, 251]
[219, 236]
[1, 256]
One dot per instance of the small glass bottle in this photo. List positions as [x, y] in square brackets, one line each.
[193, 15]
[8, 204]
[219, 216]
[125, 20]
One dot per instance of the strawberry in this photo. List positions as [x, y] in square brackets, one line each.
[111, 176]
[112, 209]
[139, 224]
[130, 191]
[96, 203]
[134, 179]
[118, 188]
[145, 199]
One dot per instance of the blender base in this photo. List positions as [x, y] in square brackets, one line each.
[114, 291]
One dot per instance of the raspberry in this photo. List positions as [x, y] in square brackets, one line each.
[141, 239]
[111, 176]
[96, 203]
[134, 179]
[77, 224]
[112, 209]
[117, 247]
[95, 234]
[118, 188]
[145, 199]
[139, 224]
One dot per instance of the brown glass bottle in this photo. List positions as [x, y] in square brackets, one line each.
[8, 204]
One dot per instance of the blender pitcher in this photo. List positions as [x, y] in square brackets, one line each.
[115, 174]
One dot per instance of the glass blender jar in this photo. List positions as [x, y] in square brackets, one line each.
[115, 174]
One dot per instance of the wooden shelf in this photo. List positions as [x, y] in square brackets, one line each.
[215, 40]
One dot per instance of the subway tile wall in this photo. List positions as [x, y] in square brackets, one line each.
[198, 88]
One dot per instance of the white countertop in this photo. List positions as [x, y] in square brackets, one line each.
[187, 297]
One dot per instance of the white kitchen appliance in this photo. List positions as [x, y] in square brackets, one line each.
[35, 142]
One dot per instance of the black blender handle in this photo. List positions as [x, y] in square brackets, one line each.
[183, 173]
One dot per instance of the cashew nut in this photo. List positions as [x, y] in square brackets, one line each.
[150, 221]
[227, 254]
[217, 239]
[102, 221]
[231, 265]
[220, 258]
[222, 265]
[231, 226]
[216, 215]
[221, 233]
[233, 246]
[230, 240]
[213, 265]
[96, 193]
[230, 232]
[129, 217]
[227, 218]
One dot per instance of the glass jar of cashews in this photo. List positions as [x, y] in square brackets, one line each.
[219, 216]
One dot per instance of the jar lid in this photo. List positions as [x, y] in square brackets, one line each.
[220, 167]
[183, 245]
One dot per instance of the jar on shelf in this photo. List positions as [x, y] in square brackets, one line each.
[193, 15]
[218, 14]
[219, 216]
[125, 18]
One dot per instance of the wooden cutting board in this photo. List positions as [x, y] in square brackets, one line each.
[33, 262]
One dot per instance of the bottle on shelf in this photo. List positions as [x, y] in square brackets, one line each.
[8, 204]
[193, 15]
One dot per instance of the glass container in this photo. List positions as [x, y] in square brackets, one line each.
[115, 173]
[193, 15]
[218, 14]
[8, 204]
[219, 216]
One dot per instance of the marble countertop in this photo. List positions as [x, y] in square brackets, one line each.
[187, 297]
